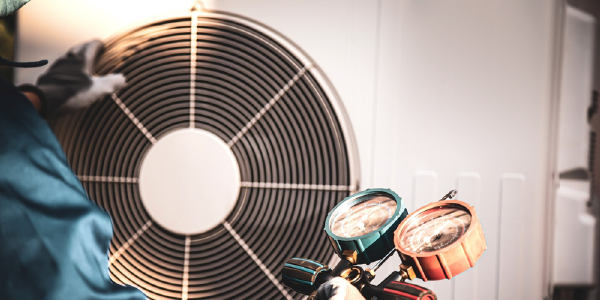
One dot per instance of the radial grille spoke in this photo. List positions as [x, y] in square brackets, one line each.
[257, 260]
[186, 269]
[128, 243]
[268, 106]
[114, 179]
[193, 50]
[133, 119]
[297, 186]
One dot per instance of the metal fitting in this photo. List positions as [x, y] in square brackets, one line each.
[407, 272]
[350, 255]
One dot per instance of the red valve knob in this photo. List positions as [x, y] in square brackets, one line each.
[405, 291]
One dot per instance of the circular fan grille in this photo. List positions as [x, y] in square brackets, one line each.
[265, 99]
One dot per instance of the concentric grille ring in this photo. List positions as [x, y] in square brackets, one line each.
[267, 101]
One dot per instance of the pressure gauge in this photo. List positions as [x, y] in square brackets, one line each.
[363, 217]
[364, 222]
[442, 239]
[436, 229]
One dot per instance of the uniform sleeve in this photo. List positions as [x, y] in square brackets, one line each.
[53, 239]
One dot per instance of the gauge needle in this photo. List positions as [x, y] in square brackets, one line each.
[430, 239]
[438, 233]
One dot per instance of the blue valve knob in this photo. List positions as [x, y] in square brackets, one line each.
[304, 275]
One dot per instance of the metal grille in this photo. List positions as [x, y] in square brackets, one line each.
[260, 95]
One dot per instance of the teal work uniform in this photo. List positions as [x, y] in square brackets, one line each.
[53, 239]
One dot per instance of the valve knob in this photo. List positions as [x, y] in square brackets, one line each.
[304, 275]
[406, 291]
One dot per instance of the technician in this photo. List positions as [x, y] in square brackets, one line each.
[53, 239]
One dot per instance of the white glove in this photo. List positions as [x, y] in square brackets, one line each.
[338, 288]
[69, 84]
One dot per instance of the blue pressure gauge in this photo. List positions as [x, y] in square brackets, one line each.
[365, 223]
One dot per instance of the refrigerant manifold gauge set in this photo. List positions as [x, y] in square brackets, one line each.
[437, 241]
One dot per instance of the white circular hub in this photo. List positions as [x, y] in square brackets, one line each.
[189, 181]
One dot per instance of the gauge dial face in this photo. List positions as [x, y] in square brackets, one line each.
[435, 229]
[363, 215]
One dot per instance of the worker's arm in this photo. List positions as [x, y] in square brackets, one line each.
[54, 240]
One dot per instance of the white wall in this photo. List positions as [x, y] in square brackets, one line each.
[441, 94]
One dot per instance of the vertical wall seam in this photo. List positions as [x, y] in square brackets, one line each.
[375, 90]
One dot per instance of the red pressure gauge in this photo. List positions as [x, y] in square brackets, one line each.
[440, 240]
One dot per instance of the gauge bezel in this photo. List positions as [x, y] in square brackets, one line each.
[413, 217]
[372, 246]
[356, 198]
[451, 260]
